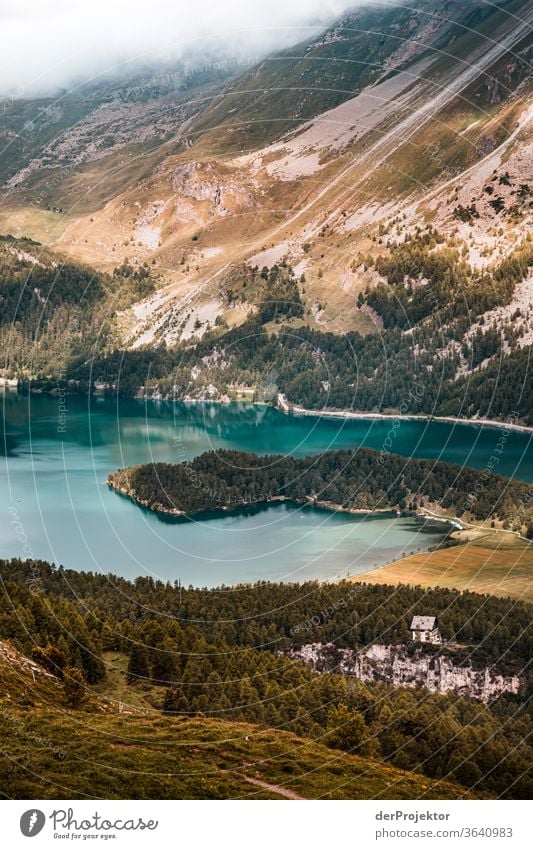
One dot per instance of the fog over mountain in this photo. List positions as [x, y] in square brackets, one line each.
[56, 44]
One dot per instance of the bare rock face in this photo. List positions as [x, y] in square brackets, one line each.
[204, 182]
[16, 660]
[438, 674]
[189, 181]
[395, 665]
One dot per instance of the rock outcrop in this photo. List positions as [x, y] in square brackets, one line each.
[401, 667]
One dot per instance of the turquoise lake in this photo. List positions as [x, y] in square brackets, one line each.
[56, 505]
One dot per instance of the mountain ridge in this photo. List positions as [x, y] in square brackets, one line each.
[432, 151]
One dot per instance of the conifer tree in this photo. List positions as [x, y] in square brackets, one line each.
[138, 664]
[73, 686]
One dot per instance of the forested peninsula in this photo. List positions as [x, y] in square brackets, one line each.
[358, 480]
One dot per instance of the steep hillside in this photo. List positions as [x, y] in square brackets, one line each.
[64, 156]
[188, 692]
[372, 183]
[51, 750]
[317, 195]
[296, 85]
[55, 311]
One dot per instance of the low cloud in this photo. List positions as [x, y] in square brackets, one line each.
[51, 45]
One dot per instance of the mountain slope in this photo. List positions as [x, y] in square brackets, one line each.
[321, 164]
[67, 155]
[369, 45]
[52, 751]
[332, 180]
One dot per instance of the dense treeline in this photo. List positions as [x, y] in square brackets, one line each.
[361, 479]
[321, 370]
[504, 388]
[56, 322]
[220, 653]
[273, 291]
[422, 280]
[28, 285]
[58, 636]
[428, 301]
[278, 616]
[54, 312]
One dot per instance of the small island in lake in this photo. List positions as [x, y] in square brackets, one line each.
[361, 480]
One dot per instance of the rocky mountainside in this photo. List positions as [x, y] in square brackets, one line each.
[384, 164]
[396, 665]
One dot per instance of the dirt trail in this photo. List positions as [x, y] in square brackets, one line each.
[274, 788]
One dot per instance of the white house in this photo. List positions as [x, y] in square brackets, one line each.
[424, 629]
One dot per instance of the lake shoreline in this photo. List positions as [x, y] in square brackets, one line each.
[284, 406]
[88, 527]
[281, 499]
[291, 409]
